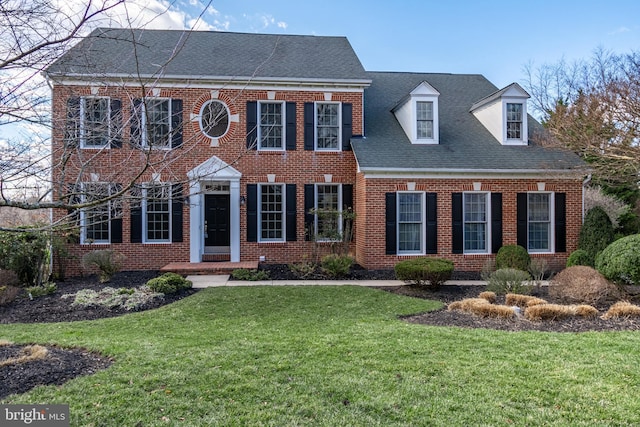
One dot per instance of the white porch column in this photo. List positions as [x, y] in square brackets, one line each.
[196, 234]
[234, 201]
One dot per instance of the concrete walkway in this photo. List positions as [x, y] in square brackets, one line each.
[205, 281]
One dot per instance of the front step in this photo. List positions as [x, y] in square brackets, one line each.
[209, 268]
[216, 257]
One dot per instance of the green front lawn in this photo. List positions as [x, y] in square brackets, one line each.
[334, 356]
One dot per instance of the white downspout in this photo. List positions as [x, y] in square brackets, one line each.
[586, 182]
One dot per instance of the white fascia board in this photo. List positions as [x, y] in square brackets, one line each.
[371, 173]
[208, 81]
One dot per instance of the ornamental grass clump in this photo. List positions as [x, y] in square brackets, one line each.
[548, 312]
[107, 262]
[482, 307]
[622, 309]
[489, 296]
[523, 300]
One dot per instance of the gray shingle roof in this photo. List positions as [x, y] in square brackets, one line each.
[465, 144]
[206, 54]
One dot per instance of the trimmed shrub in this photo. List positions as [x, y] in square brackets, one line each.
[169, 283]
[620, 261]
[335, 265]
[249, 275]
[596, 233]
[509, 280]
[423, 271]
[107, 261]
[513, 256]
[582, 285]
[622, 309]
[578, 257]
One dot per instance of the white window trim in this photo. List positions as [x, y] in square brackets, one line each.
[83, 219]
[315, 206]
[144, 140]
[83, 139]
[315, 127]
[552, 223]
[284, 213]
[488, 222]
[423, 223]
[436, 135]
[523, 140]
[284, 126]
[143, 204]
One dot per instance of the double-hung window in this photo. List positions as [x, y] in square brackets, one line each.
[157, 213]
[328, 126]
[272, 213]
[271, 128]
[476, 224]
[539, 222]
[411, 219]
[328, 212]
[514, 121]
[96, 220]
[424, 117]
[156, 123]
[95, 125]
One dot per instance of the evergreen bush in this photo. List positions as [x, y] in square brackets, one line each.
[596, 234]
[620, 261]
[578, 257]
[509, 280]
[513, 256]
[334, 265]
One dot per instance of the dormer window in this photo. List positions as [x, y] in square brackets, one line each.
[514, 121]
[424, 116]
[417, 113]
[504, 114]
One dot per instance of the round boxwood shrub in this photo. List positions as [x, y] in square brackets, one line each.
[620, 261]
[578, 257]
[169, 283]
[513, 256]
[423, 271]
[596, 233]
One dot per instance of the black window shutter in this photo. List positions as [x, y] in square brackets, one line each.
[457, 232]
[431, 229]
[561, 221]
[252, 212]
[291, 126]
[176, 123]
[309, 204]
[136, 221]
[291, 213]
[116, 214]
[72, 124]
[177, 204]
[347, 204]
[135, 138]
[347, 113]
[390, 223]
[522, 220]
[496, 222]
[252, 125]
[116, 123]
[309, 126]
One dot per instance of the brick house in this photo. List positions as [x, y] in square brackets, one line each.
[232, 140]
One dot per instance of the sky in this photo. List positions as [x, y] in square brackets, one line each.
[495, 38]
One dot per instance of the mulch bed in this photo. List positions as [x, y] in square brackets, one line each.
[64, 364]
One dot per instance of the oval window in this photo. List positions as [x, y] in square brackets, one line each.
[214, 119]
